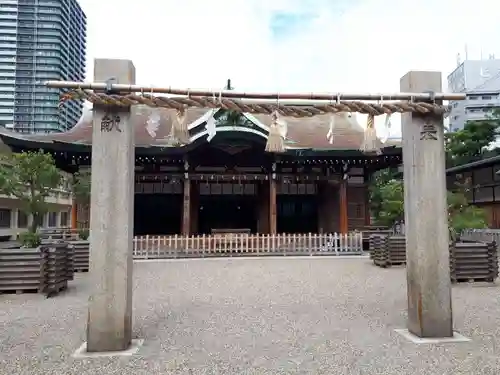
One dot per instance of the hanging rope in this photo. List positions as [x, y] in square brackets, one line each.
[239, 105]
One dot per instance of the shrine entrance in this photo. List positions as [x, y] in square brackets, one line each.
[297, 213]
[227, 211]
[158, 208]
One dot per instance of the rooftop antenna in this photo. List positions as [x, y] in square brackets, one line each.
[228, 85]
[466, 52]
[458, 59]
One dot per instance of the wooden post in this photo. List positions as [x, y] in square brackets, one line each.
[344, 219]
[74, 214]
[109, 325]
[367, 180]
[186, 208]
[273, 215]
[426, 219]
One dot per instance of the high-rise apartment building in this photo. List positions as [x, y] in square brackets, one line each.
[40, 40]
[480, 80]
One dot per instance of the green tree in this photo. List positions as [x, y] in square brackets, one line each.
[461, 215]
[392, 202]
[378, 180]
[471, 143]
[81, 186]
[30, 177]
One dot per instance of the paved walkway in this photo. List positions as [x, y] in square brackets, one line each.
[254, 316]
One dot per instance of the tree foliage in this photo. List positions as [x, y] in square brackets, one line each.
[30, 177]
[461, 215]
[379, 179]
[81, 186]
[472, 142]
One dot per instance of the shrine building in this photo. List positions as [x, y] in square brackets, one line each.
[224, 179]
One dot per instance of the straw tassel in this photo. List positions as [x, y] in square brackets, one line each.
[275, 140]
[370, 141]
[180, 132]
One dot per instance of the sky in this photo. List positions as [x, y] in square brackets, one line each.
[290, 45]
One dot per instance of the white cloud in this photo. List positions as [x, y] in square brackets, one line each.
[349, 45]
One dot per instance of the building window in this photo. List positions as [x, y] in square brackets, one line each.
[52, 219]
[22, 220]
[64, 219]
[486, 97]
[5, 214]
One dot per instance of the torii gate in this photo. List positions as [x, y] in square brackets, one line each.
[111, 224]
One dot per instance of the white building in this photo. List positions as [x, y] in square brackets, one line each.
[480, 80]
[13, 221]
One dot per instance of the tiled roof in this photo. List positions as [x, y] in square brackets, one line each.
[302, 132]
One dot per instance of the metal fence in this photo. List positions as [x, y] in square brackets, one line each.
[241, 244]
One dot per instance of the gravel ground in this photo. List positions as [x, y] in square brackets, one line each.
[254, 316]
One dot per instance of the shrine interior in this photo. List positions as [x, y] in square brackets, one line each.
[228, 190]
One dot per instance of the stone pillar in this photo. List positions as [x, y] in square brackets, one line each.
[111, 217]
[343, 207]
[426, 219]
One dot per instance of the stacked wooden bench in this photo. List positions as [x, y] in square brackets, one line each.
[469, 261]
[46, 269]
[473, 261]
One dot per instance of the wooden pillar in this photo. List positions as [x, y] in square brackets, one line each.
[367, 180]
[273, 215]
[426, 218]
[263, 207]
[74, 214]
[343, 214]
[186, 208]
[195, 207]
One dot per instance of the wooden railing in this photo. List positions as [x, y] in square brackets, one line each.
[232, 244]
[241, 244]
